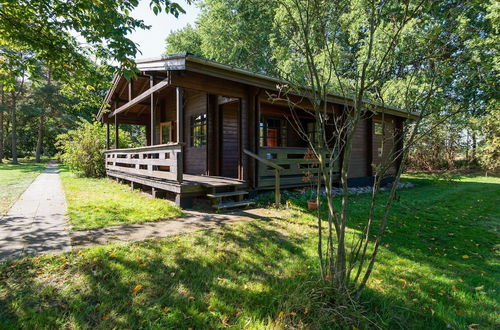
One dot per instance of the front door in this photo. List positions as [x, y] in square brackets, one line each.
[229, 139]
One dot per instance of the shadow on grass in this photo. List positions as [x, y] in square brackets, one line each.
[244, 275]
[438, 265]
[208, 279]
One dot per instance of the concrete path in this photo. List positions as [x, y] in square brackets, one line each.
[190, 222]
[36, 222]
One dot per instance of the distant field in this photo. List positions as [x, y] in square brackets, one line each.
[14, 179]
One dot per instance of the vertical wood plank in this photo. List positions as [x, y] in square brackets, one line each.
[152, 108]
[180, 113]
[116, 128]
[107, 136]
[369, 146]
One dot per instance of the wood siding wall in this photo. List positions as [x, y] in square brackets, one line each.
[387, 154]
[229, 139]
[195, 159]
[359, 155]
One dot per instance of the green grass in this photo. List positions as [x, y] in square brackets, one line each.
[14, 179]
[96, 203]
[438, 268]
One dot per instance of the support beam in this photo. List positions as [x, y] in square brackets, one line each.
[152, 108]
[116, 130]
[141, 97]
[130, 89]
[180, 113]
[107, 136]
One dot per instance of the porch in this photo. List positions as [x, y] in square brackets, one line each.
[161, 168]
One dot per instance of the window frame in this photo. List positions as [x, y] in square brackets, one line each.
[281, 138]
[170, 124]
[198, 130]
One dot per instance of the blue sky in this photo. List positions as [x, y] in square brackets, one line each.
[152, 42]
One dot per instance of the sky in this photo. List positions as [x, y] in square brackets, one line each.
[152, 42]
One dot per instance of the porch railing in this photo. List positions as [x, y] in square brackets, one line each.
[293, 162]
[161, 161]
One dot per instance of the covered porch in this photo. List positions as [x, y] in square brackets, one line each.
[205, 136]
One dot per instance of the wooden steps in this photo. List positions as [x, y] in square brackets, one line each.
[227, 194]
[229, 197]
[227, 205]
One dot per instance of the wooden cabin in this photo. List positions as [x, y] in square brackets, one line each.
[213, 131]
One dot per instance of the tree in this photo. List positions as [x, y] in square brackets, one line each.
[372, 53]
[234, 32]
[48, 29]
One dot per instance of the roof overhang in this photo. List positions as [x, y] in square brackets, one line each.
[189, 62]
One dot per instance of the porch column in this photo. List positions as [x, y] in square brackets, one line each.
[253, 127]
[107, 136]
[116, 129]
[130, 89]
[180, 113]
[152, 123]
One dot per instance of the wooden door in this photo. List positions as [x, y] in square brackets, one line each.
[229, 139]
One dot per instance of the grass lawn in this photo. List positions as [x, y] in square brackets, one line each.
[95, 203]
[438, 268]
[14, 179]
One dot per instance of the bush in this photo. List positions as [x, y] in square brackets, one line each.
[82, 148]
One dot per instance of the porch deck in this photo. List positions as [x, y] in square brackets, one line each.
[160, 167]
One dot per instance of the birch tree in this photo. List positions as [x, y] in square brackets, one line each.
[374, 54]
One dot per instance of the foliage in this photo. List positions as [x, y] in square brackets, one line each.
[95, 203]
[234, 32]
[43, 28]
[82, 148]
[489, 150]
[439, 271]
[14, 179]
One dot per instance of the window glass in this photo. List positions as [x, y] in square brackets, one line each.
[272, 133]
[198, 130]
[377, 128]
[166, 132]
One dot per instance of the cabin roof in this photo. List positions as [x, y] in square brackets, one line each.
[194, 63]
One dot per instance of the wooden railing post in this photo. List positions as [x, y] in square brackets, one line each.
[277, 195]
[278, 169]
[180, 165]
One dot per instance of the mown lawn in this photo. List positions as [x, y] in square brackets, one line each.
[438, 268]
[14, 179]
[96, 203]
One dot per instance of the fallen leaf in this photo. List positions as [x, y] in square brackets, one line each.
[105, 317]
[477, 288]
[465, 256]
[137, 288]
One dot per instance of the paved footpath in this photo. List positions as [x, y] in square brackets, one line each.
[36, 223]
[191, 221]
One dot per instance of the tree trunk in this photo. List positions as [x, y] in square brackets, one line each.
[14, 128]
[474, 145]
[39, 141]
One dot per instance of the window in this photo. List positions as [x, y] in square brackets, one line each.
[166, 132]
[272, 133]
[198, 130]
[377, 128]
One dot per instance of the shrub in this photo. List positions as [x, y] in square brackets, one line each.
[81, 148]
